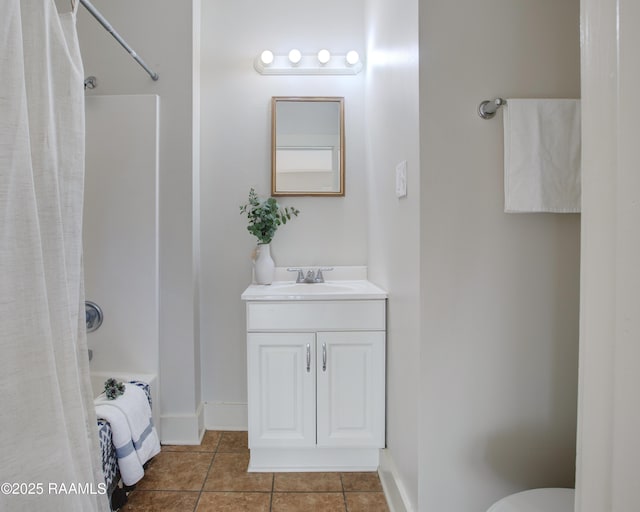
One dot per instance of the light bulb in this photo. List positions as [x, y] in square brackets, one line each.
[266, 57]
[324, 56]
[295, 56]
[352, 57]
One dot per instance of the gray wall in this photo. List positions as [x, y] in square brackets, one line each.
[499, 292]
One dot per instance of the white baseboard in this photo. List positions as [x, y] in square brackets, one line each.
[183, 428]
[394, 491]
[225, 416]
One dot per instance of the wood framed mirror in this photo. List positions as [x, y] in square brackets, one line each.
[307, 146]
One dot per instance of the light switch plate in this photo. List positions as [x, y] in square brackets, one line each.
[401, 179]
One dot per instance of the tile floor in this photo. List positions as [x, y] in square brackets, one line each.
[213, 477]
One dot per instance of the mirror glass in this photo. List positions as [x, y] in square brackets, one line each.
[307, 150]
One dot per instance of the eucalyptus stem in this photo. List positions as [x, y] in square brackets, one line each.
[266, 216]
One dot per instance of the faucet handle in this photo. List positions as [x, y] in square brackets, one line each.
[319, 277]
[300, 278]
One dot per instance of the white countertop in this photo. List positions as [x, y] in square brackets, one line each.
[339, 289]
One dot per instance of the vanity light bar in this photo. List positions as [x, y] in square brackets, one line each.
[297, 63]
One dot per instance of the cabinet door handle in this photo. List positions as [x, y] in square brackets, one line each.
[324, 357]
[308, 357]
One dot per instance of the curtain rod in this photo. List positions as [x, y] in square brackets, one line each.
[101, 19]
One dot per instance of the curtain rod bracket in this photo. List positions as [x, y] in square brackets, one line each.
[488, 108]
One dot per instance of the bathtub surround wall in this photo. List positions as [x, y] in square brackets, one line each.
[120, 230]
[236, 155]
[499, 292]
[162, 32]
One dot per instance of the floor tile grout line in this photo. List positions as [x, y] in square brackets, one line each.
[344, 495]
[273, 487]
[299, 492]
[203, 482]
[263, 492]
[213, 457]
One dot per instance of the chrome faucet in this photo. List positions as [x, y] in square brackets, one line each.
[310, 276]
[319, 277]
[300, 278]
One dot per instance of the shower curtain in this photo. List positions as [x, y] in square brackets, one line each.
[48, 437]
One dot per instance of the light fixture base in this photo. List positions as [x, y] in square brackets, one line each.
[308, 65]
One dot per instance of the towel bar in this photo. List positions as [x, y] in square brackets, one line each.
[488, 108]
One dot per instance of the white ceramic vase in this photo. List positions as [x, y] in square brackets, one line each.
[263, 266]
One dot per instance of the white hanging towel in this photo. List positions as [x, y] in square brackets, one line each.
[542, 155]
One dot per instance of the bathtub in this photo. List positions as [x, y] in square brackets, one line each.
[98, 379]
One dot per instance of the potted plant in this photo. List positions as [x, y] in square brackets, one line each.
[265, 217]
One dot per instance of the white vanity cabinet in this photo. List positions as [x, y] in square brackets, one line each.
[316, 384]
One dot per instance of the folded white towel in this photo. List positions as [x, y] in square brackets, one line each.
[130, 468]
[542, 155]
[134, 435]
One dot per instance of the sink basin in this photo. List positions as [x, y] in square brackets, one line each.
[305, 288]
[329, 290]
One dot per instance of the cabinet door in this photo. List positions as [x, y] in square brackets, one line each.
[281, 389]
[351, 388]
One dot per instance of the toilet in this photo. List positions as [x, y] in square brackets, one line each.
[536, 500]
